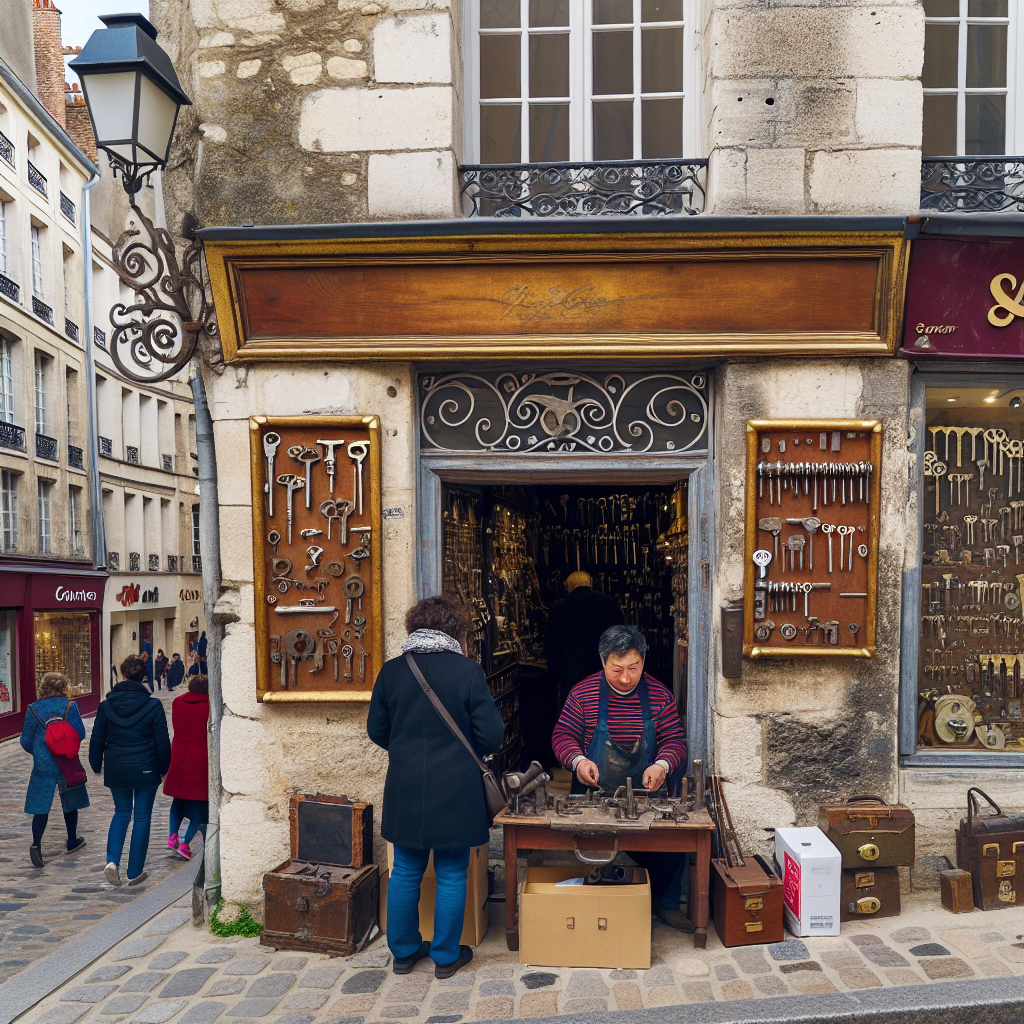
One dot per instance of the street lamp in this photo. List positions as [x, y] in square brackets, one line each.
[134, 97]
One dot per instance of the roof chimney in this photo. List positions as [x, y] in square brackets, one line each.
[50, 85]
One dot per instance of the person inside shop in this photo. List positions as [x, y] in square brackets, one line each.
[433, 793]
[160, 668]
[622, 723]
[175, 672]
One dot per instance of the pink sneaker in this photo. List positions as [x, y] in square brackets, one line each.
[172, 843]
[184, 851]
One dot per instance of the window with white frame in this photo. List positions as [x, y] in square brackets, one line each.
[43, 365]
[580, 80]
[6, 383]
[3, 237]
[37, 262]
[196, 549]
[8, 510]
[44, 489]
[75, 521]
[970, 78]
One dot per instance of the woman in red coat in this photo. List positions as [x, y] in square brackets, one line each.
[187, 781]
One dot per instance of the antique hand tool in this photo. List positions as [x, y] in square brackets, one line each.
[293, 483]
[296, 645]
[362, 664]
[357, 451]
[970, 521]
[354, 588]
[273, 539]
[795, 544]
[332, 650]
[329, 463]
[774, 527]
[762, 559]
[358, 557]
[346, 652]
[315, 554]
[933, 467]
[844, 532]
[276, 658]
[982, 465]
[307, 456]
[271, 441]
[828, 529]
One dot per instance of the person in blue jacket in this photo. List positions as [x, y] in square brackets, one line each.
[130, 743]
[52, 703]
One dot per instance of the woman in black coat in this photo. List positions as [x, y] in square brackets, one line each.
[130, 742]
[433, 796]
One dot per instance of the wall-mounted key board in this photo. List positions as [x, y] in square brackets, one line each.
[813, 490]
[317, 556]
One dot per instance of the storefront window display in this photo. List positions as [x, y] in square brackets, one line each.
[8, 663]
[64, 644]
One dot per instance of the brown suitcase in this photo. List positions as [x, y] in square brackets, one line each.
[991, 847]
[748, 903]
[956, 891]
[870, 833]
[869, 893]
[331, 830]
[319, 908]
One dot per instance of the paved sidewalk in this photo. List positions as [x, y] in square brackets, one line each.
[41, 908]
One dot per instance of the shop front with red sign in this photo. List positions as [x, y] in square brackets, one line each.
[49, 622]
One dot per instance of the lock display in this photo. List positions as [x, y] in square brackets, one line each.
[869, 851]
[868, 905]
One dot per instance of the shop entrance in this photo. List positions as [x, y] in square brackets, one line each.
[508, 550]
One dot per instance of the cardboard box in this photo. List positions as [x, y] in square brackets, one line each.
[811, 869]
[583, 925]
[474, 923]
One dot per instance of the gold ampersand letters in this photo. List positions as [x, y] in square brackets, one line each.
[1008, 306]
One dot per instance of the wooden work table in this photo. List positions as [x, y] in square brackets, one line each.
[532, 832]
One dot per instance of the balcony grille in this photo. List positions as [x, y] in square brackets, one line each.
[9, 288]
[42, 310]
[46, 448]
[172, 563]
[12, 437]
[134, 561]
[99, 337]
[987, 184]
[67, 207]
[114, 561]
[644, 188]
[154, 563]
[6, 149]
[168, 461]
[74, 456]
[106, 447]
[36, 178]
[71, 329]
[197, 563]
[131, 454]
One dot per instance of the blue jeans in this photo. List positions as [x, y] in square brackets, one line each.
[404, 937]
[143, 812]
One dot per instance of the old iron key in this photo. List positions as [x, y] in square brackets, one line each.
[354, 588]
[293, 483]
[343, 509]
[332, 650]
[297, 644]
[346, 652]
[271, 441]
[762, 559]
[329, 461]
[307, 456]
[357, 451]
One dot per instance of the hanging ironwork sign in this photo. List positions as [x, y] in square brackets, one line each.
[563, 412]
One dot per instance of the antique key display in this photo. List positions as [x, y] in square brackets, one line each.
[971, 654]
[812, 520]
[317, 556]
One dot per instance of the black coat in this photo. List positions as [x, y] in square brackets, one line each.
[433, 796]
[175, 673]
[129, 740]
[574, 627]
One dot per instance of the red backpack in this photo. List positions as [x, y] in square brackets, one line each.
[63, 742]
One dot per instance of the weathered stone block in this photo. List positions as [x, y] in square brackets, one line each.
[876, 181]
[412, 185]
[303, 68]
[242, 764]
[413, 49]
[236, 542]
[889, 113]
[775, 181]
[250, 842]
[346, 67]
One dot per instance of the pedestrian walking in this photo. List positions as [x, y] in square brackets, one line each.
[147, 666]
[175, 672]
[160, 668]
[433, 795]
[187, 781]
[195, 668]
[130, 743]
[52, 707]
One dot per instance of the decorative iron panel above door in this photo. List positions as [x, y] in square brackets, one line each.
[560, 411]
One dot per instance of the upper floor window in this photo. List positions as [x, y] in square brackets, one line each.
[37, 262]
[579, 80]
[75, 521]
[3, 237]
[43, 367]
[44, 489]
[196, 549]
[8, 510]
[970, 78]
[6, 383]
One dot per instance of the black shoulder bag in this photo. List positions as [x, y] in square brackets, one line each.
[494, 796]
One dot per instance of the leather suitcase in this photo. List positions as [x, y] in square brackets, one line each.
[870, 833]
[331, 830]
[748, 903]
[991, 848]
[873, 892]
[320, 908]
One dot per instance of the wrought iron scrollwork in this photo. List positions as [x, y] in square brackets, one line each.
[972, 184]
[597, 188]
[560, 412]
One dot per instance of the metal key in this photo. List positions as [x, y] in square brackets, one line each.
[346, 652]
[354, 588]
[362, 664]
[844, 532]
[332, 650]
[329, 461]
[794, 544]
[293, 483]
[344, 510]
[762, 559]
[828, 529]
[774, 527]
[307, 456]
[358, 556]
[273, 539]
[357, 451]
[296, 645]
[270, 445]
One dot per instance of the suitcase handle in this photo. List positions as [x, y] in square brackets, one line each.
[973, 808]
[860, 797]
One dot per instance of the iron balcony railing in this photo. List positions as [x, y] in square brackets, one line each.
[67, 207]
[131, 454]
[106, 446]
[10, 288]
[168, 463]
[42, 310]
[114, 561]
[75, 456]
[172, 563]
[36, 178]
[153, 562]
[6, 149]
[197, 563]
[134, 561]
[71, 330]
[972, 184]
[670, 188]
[99, 337]
[12, 437]
[46, 448]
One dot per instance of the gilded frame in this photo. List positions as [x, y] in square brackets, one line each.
[754, 650]
[264, 694]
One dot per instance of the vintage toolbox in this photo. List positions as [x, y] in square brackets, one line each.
[748, 902]
[956, 891]
[320, 908]
[870, 892]
[331, 830]
[870, 833]
[991, 848]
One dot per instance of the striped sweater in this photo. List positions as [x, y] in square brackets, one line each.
[578, 721]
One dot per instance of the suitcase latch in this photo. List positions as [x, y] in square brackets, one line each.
[866, 905]
[1018, 848]
[753, 926]
[302, 904]
[863, 879]
[869, 851]
[1006, 868]
[990, 850]
[753, 904]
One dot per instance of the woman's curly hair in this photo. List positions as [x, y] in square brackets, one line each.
[53, 684]
[444, 614]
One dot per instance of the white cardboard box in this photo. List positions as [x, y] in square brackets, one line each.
[811, 870]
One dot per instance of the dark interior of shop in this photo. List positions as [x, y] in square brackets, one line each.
[508, 550]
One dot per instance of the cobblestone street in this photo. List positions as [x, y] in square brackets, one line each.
[41, 908]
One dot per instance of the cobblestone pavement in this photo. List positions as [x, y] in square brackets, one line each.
[172, 972]
[40, 908]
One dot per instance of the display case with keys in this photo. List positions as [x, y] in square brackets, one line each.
[812, 522]
[316, 508]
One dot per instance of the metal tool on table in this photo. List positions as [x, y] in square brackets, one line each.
[329, 461]
[354, 589]
[271, 441]
[293, 483]
[357, 451]
[307, 456]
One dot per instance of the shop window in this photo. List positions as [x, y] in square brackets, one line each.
[8, 663]
[970, 77]
[6, 383]
[44, 490]
[580, 80]
[9, 510]
[64, 644]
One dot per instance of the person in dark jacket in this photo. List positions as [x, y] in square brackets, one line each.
[187, 780]
[433, 794]
[52, 703]
[130, 743]
[175, 672]
[160, 668]
[202, 645]
[147, 660]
